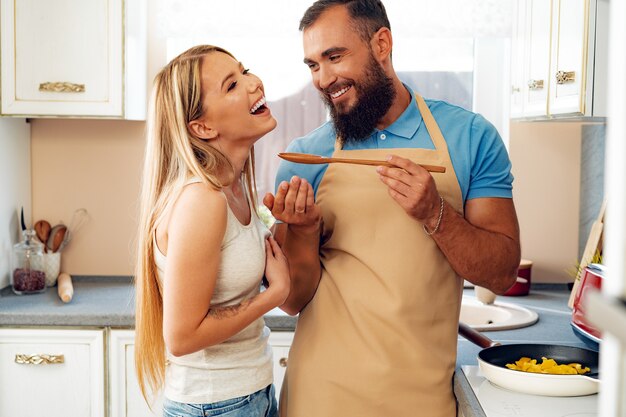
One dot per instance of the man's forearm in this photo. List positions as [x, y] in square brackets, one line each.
[301, 247]
[486, 258]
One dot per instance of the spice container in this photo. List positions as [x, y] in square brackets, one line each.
[27, 274]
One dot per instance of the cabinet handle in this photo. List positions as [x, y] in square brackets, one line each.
[39, 359]
[515, 89]
[563, 77]
[535, 84]
[62, 87]
[282, 362]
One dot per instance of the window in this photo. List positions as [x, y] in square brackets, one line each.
[433, 53]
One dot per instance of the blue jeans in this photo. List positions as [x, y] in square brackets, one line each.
[259, 404]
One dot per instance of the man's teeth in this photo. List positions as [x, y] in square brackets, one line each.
[340, 92]
[258, 104]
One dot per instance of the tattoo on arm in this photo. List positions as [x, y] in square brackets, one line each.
[229, 311]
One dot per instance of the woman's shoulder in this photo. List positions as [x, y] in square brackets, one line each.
[200, 197]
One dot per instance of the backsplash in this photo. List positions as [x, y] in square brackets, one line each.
[591, 178]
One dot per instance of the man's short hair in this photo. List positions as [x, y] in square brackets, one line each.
[368, 16]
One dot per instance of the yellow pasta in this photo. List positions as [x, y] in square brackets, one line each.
[547, 366]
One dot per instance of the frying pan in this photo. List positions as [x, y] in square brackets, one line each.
[494, 356]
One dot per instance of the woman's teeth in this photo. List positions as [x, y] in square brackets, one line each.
[257, 105]
[339, 93]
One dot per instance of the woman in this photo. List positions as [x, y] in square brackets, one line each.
[203, 250]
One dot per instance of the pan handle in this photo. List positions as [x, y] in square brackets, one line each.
[476, 337]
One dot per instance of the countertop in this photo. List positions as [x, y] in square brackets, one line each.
[109, 302]
[97, 302]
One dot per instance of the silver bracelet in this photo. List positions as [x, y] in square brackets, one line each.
[438, 220]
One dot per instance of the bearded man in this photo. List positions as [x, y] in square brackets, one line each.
[378, 254]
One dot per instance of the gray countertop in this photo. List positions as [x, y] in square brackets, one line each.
[97, 302]
[109, 302]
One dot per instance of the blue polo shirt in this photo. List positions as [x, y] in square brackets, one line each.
[478, 154]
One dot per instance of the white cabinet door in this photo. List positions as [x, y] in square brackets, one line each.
[125, 396]
[517, 60]
[280, 342]
[569, 52]
[67, 58]
[537, 57]
[56, 373]
[564, 59]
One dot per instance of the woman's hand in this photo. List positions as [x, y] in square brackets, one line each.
[294, 204]
[276, 272]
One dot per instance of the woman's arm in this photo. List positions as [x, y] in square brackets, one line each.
[195, 231]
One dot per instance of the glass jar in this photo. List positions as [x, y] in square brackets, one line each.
[27, 272]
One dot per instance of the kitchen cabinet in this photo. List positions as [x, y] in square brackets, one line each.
[73, 58]
[559, 59]
[124, 393]
[56, 372]
[125, 397]
[280, 342]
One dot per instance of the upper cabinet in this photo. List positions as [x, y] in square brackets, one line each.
[73, 58]
[559, 59]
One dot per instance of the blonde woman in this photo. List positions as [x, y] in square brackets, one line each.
[203, 250]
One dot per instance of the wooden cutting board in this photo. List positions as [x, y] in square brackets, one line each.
[594, 243]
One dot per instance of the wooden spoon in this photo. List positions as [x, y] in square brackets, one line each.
[57, 234]
[305, 158]
[42, 228]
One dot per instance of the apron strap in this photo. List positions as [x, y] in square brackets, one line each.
[431, 125]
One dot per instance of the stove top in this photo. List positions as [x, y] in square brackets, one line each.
[499, 402]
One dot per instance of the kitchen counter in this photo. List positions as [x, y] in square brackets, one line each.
[109, 302]
[97, 302]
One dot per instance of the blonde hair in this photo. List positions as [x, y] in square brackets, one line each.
[173, 155]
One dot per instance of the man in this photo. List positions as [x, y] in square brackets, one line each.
[378, 259]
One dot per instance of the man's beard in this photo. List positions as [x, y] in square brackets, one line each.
[375, 94]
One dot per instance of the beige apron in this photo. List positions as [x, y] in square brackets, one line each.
[379, 337]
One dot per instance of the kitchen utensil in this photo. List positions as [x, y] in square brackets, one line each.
[79, 218]
[57, 234]
[22, 219]
[65, 288]
[522, 284]
[592, 278]
[42, 228]
[594, 243]
[305, 158]
[493, 358]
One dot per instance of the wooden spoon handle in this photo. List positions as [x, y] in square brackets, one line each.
[302, 158]
[430, 168]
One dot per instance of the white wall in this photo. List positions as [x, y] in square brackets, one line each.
[15, 187]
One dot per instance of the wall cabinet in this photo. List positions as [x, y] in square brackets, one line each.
[559, 58]
[57, 373]
[72, 58]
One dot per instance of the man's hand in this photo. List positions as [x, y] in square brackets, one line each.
[294, 204]
[413, 188]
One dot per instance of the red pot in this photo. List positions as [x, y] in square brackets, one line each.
[591, 279]
[522, 285]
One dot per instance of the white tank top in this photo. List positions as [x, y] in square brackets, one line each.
[242, 364]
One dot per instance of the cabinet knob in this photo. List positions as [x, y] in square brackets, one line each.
[41, 359]
[282, 362]
[62, 87]
[535, 84]
[563, 77]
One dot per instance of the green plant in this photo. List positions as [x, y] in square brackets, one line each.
[266, 216]
[576, 271]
